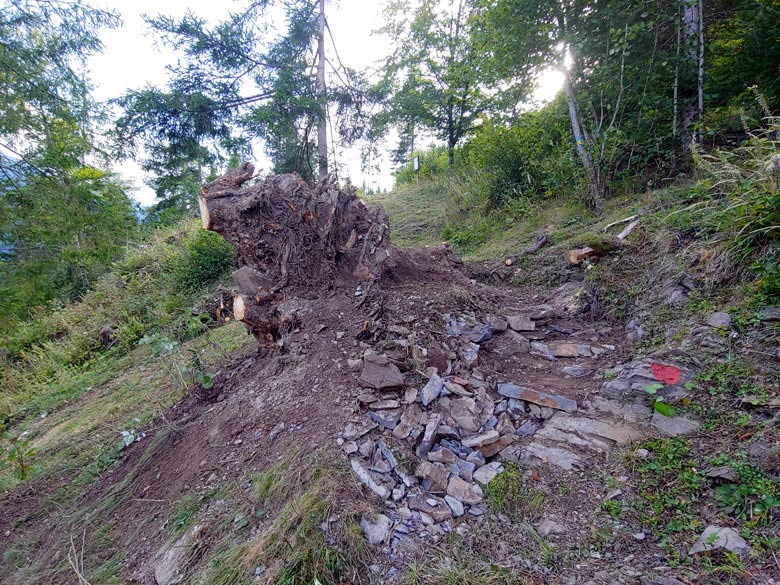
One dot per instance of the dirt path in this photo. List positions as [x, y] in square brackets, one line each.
[429, 389]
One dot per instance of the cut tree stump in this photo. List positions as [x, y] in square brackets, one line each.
[294, 240]
[293, 234]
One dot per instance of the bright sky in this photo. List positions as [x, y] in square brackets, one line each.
[132, 59]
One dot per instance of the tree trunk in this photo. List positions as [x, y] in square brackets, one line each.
[596, 192]
[693, 39]
[322, 124]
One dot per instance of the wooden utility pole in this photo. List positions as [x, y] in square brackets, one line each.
[322, 126]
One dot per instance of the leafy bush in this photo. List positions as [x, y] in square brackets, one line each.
[433, 163]
[207, 256]
[152, 289]
[533, 157]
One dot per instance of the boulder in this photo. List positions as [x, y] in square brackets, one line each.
[673, 370]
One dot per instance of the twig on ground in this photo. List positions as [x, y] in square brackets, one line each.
[618, 222]
[541, 241]
[628, 229]
[76, 560]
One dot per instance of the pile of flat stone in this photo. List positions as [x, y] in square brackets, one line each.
[429, 449]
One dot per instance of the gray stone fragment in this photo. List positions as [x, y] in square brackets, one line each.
[527, 429]
[463, 491]
[770, 314]
[576, 371]
[386, 418]
[476, 458]
[660, 581]
[566, 349]
[442, 456]
[376, 529]
[470, 354]
[487, 473]
[380, 373]
[540, 412]
[719, 320]
[479, 333]
[434, 473]
[510, 390]
[438, 513]
[465, 413]
[631, 379]
[541, 350]
[548, 526]
[365, 477]
[725, 473]
[521, 323]
[536, 454]
[490, 424]
[173, 560]
[466, 469]
[429, 437]
[620, 433]
[673, 426]
[540, 312]
[720, 537]
[455, 506]
[431, 390]
[384, 404]
[482, 439]
[387, 454]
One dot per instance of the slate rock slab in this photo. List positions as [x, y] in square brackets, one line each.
[509, 390]
[380, 373]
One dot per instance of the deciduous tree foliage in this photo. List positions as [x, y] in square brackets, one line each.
[437, 77]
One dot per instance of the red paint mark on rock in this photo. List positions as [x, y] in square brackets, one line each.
[666, 374]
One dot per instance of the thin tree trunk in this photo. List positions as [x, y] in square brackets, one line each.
[322, 124]
[694, 53]
[596, 196]
[700, 77]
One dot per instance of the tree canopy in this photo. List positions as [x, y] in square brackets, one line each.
[62, 218]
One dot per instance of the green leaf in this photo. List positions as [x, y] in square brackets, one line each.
[663, 408]
[653, 388]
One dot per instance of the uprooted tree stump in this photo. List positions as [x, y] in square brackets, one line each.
[300, 239]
